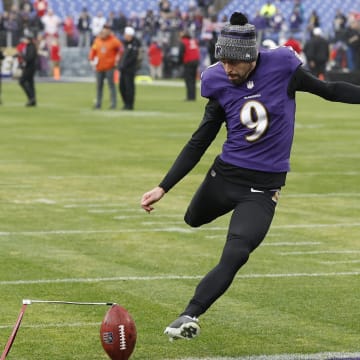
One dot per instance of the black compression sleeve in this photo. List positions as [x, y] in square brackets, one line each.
[192, 152]
[338, 91]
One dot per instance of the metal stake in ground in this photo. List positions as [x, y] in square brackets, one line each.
[14, 332]
[27, 302]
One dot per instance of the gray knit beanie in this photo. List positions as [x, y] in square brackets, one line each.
[237, 40]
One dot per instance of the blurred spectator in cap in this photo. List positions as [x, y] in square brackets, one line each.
[128, 66]
[317, 53]
[28, 64]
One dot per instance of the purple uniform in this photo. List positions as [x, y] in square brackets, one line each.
[259, 118]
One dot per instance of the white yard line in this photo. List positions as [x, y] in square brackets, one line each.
[320, 252]
[171, 277]
[46, 326]
[339, 262]
[180, 229]
[317, 356]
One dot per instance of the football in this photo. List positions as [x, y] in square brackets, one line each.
[118, 333]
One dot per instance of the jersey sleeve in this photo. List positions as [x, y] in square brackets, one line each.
[336, 91]
[289, 56]
[209, 86]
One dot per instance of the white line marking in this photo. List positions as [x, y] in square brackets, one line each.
[45, 326]
[339, 262]
[295, 243]
[317, 356]
[167, 229]
[105, 211]
[171, 277]
[320, 252]
[281, 243]
[314, 195]
[312, 226]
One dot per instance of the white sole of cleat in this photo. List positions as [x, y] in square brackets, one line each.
[186, 331]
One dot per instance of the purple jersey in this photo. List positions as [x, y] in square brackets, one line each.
[260, 115]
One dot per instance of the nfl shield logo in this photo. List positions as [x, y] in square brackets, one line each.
[250, 84]
[108, 337]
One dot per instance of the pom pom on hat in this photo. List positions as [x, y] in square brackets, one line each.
[237, 40]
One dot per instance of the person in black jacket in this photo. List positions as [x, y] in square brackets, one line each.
[2, 57]
[128, 67]
[317, 53]
[29, 63]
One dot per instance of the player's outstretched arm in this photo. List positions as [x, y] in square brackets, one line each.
[339, 91]
[151, 197]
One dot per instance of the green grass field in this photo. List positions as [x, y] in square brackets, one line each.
[71, 228]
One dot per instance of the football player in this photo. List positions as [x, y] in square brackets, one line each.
[253, 93]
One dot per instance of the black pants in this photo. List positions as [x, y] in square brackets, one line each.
[253, 211]
[190, 74]
[127, 88]
[27, 82]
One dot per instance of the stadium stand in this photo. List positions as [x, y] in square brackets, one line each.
[325, 9]
[139, 7]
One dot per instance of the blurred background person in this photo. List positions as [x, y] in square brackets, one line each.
[55, 58]
[155, 55]
[352, 39]
[84, 29]
[28, 62]
[128, 67]
[97, 24]
[189, 56]
[211, 47]
[43, 56]
[70, 31]
[51, 23]
[317, 52]
[105, 54]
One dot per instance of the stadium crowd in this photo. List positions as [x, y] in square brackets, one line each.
[161, 29]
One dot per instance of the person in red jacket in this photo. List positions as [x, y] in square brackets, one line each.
[189, 54]
[155, 54]
[55, 58]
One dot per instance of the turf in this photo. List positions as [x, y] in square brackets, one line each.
[72, 229]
